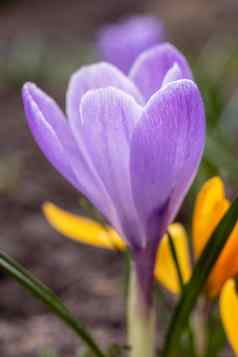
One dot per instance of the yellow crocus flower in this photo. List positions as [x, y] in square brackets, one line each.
[211, 205]
[229, 312]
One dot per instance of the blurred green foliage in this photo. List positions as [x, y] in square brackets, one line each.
[216, 73]
[33, 59]
[4, 3]
[112, 351]
[48, 353]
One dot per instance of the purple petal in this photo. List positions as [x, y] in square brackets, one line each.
[45, 120]
[53, 135]
[96, 76]
[166, 149]
[108, 120]
[151, 67]
[121, 43]
[173, 74]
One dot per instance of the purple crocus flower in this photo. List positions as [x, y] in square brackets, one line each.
[132, 144]
[120, 43]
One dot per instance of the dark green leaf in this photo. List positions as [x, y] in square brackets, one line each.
[176, 261]
[216, 336]
[200, 273]
[43, 293]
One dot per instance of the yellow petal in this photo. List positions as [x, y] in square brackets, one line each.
[226, 266]
[82, 229]
[210, 207]
[165, 270]
[117, 242]
[229, 313]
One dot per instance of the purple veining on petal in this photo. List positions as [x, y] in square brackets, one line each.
[192, 152]
[45, 129]
[165, 152]
[108, 118]
[53, 135]
[122, 42]
[151, 67]
[95, 76]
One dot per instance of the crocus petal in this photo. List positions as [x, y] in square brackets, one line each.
[165, 269]
[122, 42]
[229, 313]
[108, 120]
[211, 205]
[82, 229]
[226, 266]
[166, 149]
[151, 67]
[53, 135]
[173, 74]
[48, 126]
[95, 76]
[91, 77]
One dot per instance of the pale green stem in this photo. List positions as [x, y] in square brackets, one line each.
[199, 327]
[141, 321]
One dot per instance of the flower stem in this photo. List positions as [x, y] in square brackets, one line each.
[141, 321]
[176, 261]
[199, 327]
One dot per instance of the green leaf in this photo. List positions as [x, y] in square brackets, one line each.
[200, 273]
[216, 336]
[176, 261]
[43, 293]
[190, 343]
[48, 353]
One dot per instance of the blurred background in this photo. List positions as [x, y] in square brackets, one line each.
[45, 41]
